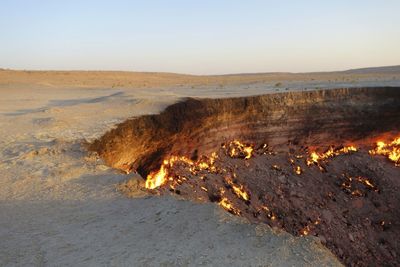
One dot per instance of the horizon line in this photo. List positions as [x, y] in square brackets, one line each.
[203, 75]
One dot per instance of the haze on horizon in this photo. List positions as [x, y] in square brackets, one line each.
[199, 37]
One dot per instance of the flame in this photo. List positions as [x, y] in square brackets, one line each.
[213, 158]
[156, 179]
[203, 165]
[248, 151]
[237, 149]
[316, 158]
[298, 170]
[171, 161]
[228, 206]
[237, 189]
[347, 185]
[305, 231]
[390, 150]
[240, 192]
[367, 183]
[160, 177]
[270, 214]
[276, 167]
[357, 193]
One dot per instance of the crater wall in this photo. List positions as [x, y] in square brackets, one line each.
[194, 127]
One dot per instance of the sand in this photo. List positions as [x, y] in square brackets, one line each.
[59, 204]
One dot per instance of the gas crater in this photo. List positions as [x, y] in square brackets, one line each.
[322, 163]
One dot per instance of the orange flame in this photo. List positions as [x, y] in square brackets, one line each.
[269, 213]
[236, 149]
[228, 206]
[390, 150]
[305, 231]
[237, 189]
[156, 179]
[316, 158]
[240, 192]
[298, 170]
[160, 177]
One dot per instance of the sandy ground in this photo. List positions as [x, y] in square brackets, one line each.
[59, 205]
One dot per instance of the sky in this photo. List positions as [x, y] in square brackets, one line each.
[199, 36]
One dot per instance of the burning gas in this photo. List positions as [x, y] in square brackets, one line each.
[390, 150]
[237, 149]
[316, 158]
[357, 186]
[160, 177]
[227, 205]
[237, 189]
[156, 179]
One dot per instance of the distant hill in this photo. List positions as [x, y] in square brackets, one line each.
[127, 79]
[387, 69]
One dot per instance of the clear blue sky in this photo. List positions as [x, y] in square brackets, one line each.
[201, 37]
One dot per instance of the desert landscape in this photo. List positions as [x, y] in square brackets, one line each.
[266, 169]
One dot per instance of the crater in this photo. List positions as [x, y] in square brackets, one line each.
[323, 163]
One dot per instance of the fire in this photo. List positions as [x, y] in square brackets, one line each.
[171, 161]
[228, 206]
[368, 183]
[238, 150]
[156, 179]
[348, 185]
[298, 170]
[305, 231]
[270, 214]
[310, 227]
[357, 193]
[390, 150]
[213, 158]
[316, 158]
[203, 165]
[276, 167]
[240, 192]
[237, 189]
[160, 177]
